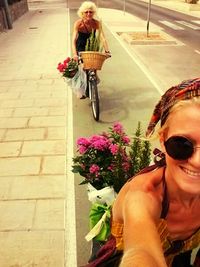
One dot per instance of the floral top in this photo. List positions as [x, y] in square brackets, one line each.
[170, 248]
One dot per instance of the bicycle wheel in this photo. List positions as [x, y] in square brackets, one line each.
[94, 99]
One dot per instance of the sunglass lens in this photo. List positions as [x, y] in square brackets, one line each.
[179, 147]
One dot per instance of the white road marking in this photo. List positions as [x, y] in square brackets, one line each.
[70, 219]
[187, 24]
[196, 21]
[171, 25]
[197, 51]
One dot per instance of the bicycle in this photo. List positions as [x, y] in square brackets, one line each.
[91, 64]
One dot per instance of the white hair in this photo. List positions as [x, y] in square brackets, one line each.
[87, 5]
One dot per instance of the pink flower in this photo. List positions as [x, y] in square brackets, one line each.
[111, 168]
[82, 141]
[67, 60]
[94, 168]
[82, 149]
[126, 139]
[83, 144]
[114, 149]
[65, 64]
[60, 67]
[99, 142]
[126, 166]
[117, 128]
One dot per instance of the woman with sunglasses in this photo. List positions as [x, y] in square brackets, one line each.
[155, 217]
[84, 26]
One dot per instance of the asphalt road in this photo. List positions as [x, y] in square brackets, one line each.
[181, 26]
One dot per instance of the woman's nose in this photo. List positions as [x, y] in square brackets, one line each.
[195, 158]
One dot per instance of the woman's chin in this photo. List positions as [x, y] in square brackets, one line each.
[190, 180]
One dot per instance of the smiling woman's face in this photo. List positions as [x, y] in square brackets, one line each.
[184, 173]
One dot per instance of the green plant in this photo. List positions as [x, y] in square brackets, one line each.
[110, 159]
[140, 152]
[94, 42]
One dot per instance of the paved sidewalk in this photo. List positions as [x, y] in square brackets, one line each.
[33, 126]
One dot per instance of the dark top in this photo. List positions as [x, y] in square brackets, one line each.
[81, 41]
[84, 33]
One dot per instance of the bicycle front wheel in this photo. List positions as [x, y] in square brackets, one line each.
[94, 99]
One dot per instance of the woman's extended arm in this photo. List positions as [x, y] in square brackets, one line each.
[142, 245]
[74, 38]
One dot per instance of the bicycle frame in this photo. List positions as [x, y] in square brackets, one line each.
[91, 77]
[93, 92]
[92, 80]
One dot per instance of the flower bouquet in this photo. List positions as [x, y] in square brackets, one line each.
[103, 159]
[68, 68]
[107, 161]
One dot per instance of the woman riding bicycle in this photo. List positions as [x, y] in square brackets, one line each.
[84, 27]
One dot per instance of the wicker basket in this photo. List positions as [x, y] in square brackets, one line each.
[93, 60]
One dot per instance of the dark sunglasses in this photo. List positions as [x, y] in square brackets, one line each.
[89, 11]
[179, 147]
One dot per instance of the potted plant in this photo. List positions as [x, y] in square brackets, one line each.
[106, 161]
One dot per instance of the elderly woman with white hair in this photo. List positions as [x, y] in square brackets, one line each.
[84, 26]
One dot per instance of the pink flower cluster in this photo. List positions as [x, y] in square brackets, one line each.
[104, 141]
[68, 68]
[108, 159]
[62, 66]
[103, 157]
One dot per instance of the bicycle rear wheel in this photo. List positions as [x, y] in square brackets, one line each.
[94, 99]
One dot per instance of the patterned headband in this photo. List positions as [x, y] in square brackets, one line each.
[185, 90]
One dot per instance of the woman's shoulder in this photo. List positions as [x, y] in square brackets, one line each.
[148, 181]
[96, 22]
[78, 22]
[143, 186]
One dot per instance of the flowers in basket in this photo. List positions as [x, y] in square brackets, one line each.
[68, 68]
[107, 161]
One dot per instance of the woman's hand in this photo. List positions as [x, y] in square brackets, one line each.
[75, 57]
[141, 210]
[139, 257]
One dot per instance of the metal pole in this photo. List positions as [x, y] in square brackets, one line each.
[7, 12]
[124, 8]
[148, 17]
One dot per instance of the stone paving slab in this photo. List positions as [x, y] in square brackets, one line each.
[11, 211]
[20, 166]
[32, 248]
[37, 187]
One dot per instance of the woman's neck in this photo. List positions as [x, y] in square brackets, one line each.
[87, 20]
